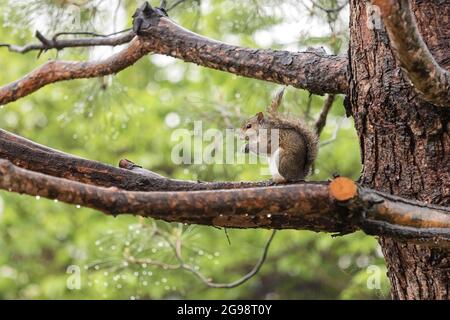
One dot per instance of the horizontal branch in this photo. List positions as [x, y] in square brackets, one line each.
[312, 70]
[295, 206]
[429, 79]
[32, 156]
[59, 44]
[340, 206]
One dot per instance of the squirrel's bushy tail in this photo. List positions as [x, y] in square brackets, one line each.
[311, 142]
[310, 137]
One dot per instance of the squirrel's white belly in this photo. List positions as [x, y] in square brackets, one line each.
[274, 160]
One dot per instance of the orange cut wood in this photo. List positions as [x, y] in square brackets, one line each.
[343, 189]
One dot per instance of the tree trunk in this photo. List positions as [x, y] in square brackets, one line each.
[404, 141]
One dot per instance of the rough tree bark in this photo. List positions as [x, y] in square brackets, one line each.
[405, 142]
[162, 35]
[339, 206]
[402, 120]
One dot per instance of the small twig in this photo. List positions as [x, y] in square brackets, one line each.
[88, 33]
[307, 113]
[130, 165]
[334, 135]
[163, 4]
[96, 40]
[43, 39]
[175, 4]
[330, 10]
[116, 12]
[246, 277]
[240, 281]
[226, 234]
[322, 120]
[176, 248]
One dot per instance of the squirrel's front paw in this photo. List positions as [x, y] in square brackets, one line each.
[277, 180]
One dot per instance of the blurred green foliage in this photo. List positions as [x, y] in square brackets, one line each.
[132, 115]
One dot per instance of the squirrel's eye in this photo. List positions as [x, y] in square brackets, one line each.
[249, 126]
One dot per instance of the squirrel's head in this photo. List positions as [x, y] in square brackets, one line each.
[251, 126]
[249, 131]
[257, 121]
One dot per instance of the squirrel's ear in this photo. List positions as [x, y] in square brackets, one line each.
[260, 116]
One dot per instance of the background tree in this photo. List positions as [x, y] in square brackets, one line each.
[378, 98]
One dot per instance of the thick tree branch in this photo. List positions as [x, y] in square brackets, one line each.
[294, 206]
[429, 79]
[32, 156]
[341, 206]
[312, 70]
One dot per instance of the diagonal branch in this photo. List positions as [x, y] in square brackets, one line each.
[428, 78]
[55, 71]
[312, 70]
[241, 280]
[322, 120]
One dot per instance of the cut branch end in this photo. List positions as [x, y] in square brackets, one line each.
[343, 189]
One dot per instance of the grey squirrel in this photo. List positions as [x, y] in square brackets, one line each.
[297, 144]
